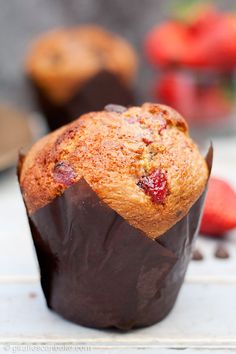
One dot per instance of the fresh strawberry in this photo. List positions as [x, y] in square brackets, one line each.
[202, 16]
[197, 103]
[178, 90]
[207, 40]
[202, 23]
[213, 105]
[214, 46]
[219, 214]
[167, 44]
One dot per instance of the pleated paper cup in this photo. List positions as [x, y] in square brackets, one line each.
[99, 271]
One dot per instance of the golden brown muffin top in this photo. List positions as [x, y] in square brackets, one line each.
[140, 161]
[62, 60]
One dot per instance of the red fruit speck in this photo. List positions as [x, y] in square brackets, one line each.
[146, 141]
[162, 127]
[155, 185]
[63, 173]
[162, 123]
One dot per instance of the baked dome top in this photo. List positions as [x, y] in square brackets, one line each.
[140, 161]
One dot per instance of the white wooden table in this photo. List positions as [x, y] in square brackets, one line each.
[203, 320]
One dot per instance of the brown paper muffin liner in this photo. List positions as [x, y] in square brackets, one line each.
[99, 271]
[94, 95]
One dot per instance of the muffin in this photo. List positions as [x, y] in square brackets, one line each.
[77, 70]
[114, 200]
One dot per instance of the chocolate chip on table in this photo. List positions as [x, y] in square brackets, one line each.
[197, 255]
[221, 252]
[115, 108]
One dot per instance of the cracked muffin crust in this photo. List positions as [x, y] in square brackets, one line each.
[140, 161]
[62, 60]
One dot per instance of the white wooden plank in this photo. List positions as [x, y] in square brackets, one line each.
[204, 317]
[17, 257]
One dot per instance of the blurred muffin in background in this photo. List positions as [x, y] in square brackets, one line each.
[80, 69]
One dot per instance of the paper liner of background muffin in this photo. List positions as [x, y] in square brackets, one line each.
[99, 271]
[95, 93]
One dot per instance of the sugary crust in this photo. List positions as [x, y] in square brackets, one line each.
[112, 151]
[61, 61]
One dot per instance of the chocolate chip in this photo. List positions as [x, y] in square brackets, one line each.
[197, 255]
[32, 295]
[63, 173]
[221, 252]
[115, 108]
[179, 213]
